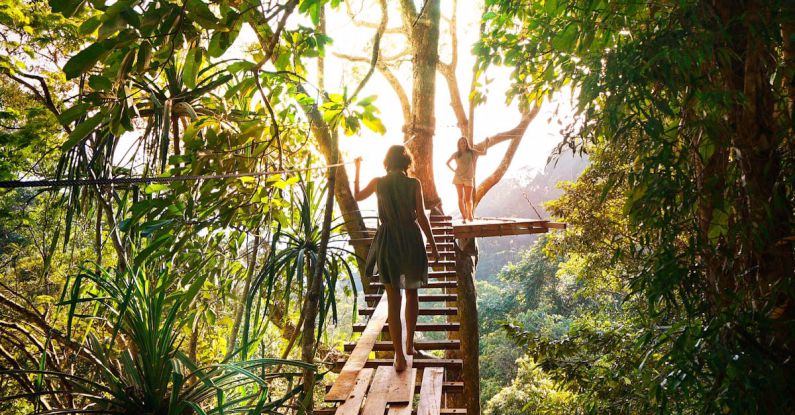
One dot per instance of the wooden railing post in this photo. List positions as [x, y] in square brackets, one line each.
[466, 255]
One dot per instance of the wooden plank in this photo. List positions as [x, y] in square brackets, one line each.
[405, 408]
[427, 298]
[420, 345]
[431, 391]
[389, 386]
[447, 387]
[418, 363]
[440, 311]
[354, 401]
[420, 327]
[347, 377]
[430, 284]
[496, 232]
[437, 274]
[400, 409]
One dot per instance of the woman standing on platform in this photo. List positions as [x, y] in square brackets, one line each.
[398, 250]
[464, 179]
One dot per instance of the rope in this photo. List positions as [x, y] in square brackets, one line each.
[15, 184]
[531, 205]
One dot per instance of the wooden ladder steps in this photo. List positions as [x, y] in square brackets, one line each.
[382, 346]
[447, 387]
[443, 411]
[437, 274]
[359, 327]
[421, 297]
[431, 284]
[441, 311]
[417, 364]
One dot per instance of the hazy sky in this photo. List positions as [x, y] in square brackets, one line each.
[490, 118]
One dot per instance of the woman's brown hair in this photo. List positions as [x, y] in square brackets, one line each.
[397, 158]
[458, 152]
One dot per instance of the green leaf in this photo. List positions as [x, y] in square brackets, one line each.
[144, 56]
[374, 124]
[73, 113]
[221, 41]
[191, 69]
[200, 13]
[551, 7]
[111, 27]
[566, 39]
[100, 83]
[66, 7]
[82, 130]
[155, 187]
[90, 25]
[84, 60]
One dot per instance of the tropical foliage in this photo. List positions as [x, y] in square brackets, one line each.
[686, 215]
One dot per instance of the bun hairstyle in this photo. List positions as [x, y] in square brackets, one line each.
[397, 158]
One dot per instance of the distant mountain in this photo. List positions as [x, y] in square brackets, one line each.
[515, 197]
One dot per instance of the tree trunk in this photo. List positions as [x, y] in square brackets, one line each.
[466, 253]
[315, 289]
[423, 27]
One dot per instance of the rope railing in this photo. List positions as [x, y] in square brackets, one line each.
[15, 184]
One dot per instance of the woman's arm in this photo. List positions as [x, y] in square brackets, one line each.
[368, 190]
[485, 148]
[425, 224]
[448, 162]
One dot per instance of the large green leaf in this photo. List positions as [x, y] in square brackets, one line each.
[192, 64]
[84, 60]
[66, 7]
[82, 130]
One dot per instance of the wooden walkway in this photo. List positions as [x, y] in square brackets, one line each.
[368, 384]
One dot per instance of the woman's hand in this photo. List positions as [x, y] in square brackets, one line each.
[435, 254]
[449, 161]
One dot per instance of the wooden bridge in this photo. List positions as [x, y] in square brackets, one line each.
[434, 383]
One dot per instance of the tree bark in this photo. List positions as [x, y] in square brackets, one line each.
[423, 29]
[466, 254]
[315, 289]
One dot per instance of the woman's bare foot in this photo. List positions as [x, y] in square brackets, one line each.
[399, 363]
[410, 350]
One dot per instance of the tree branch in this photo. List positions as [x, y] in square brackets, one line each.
[409, 14]
[515, 135]
[448, 73]
[376, 48]
[369, 25]
[36, 320]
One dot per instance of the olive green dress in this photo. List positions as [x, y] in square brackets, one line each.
[398, 250]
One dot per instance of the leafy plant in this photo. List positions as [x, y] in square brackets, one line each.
[145, 312]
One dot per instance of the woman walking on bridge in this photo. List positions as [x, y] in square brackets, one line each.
[398, 250]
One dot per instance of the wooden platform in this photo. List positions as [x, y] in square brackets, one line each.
[484, 227]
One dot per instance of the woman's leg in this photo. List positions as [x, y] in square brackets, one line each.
[412, 309]
[461, 201]
[395, 327]
[468, 202]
